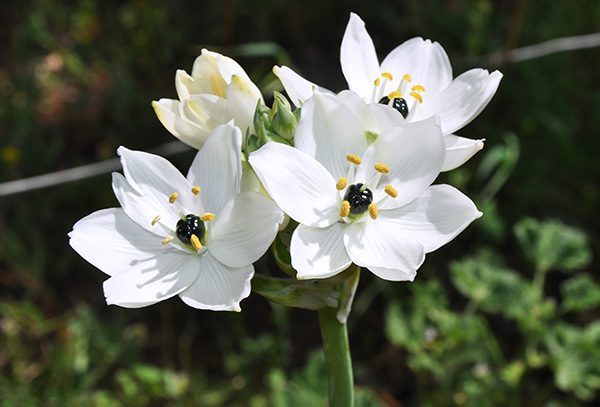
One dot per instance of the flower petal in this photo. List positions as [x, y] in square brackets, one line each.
[414, 153]
[242, 97]
[169, 112]
[297, 88]
[112, 242]
[328, 131]
[151, 280]
[319, 252]
[462, 100]
[459, 150]
[358, 57]
[379, 245]
[218, 287]
[434, 218]
[425, 61]
[244, 229]
[217, 168]
[300, 185]
[373, 117]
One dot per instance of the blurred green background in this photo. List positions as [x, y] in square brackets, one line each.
[504, 315]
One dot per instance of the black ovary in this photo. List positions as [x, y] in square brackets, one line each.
[398, 103]
[192, 225]
[359, 200]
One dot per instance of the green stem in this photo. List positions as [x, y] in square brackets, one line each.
[337, 359]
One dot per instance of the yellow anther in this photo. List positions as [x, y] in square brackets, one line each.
[167, 240]
[173, 197]
[207, 217]
[388, 76]
[345, 209]
[216, 85]
[418, 88]
[196, 190]
[382, 168]
[391, 191]
[407, 77]
[195, 242]
[395, 94]
[377, 82]
[373, 212]
[354, 159]
[341, 184]
[156, 219]
[417, 96]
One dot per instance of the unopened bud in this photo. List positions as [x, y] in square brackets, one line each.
[284, 121]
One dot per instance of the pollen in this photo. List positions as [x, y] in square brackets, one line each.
[417, 96]
[167, 240]
[354, 159]
[388, 76]
[391, 191]
[395, 94]
[407, 77]
[173, 197]
[418, 88]
[377, 82]
[373, 212]
[207, 217]
[196, 190]
[382, 168]
[195, 242]
[155, 220]
[216, 85]
[345, 209]
[341, 184]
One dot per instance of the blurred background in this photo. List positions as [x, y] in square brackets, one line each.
[506, 314]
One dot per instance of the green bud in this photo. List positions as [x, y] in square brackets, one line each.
[262, 115]
[309, 294]
[284, 121]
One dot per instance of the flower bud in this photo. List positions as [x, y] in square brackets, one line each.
[284, 121]
[262, 116]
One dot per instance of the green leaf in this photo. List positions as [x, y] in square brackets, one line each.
[580, 293]
[552, 245]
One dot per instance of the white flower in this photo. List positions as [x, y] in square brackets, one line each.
[153, 249]
[217, 91]
[416, 79]
[371, 205]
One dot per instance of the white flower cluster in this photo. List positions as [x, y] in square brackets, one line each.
[356, 177]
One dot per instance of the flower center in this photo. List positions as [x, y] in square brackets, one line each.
[359, 197]
[396, 98]
[192, 225]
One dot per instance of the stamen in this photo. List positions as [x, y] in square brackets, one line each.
[156, 219]
[373, 212]
[395, 94]
[196, 190]
[407, 78]
[354, 159]
[216, 85]
[195, 242]
[391, 191]
[167, 240]
[341, 184]
[345, 209]
[207, 217]
[173, 197]
[377, 82]
[382, 168]
[417, 96]
[388, 76]
[418, 88]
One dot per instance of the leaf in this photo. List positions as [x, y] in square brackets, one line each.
[552, 245]
[580, 293]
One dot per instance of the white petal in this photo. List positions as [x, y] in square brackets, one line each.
[300, 185]
[169, 112]
[187, 86]
[373, 117]
[242, 98]
[206, 111]
[459, 150]
[425, 61]
[112, 242]
[228, 67]
[319, 252]
[297, 88]
[414, 153]
[434, 218]
[218, 287]
[358, 57]
[217, 168]
[205, 65]
[462, 101]
[328, 131]
[244, 229]
[152, 280]
[379, 245]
